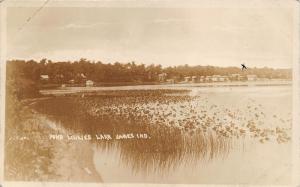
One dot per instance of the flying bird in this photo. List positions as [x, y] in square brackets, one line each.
[243, 66]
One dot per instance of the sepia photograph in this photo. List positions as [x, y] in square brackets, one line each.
[152, 93]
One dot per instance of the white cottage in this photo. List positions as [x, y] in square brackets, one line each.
[89, 83]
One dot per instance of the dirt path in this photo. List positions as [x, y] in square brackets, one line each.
[73, 160]
[39, 158]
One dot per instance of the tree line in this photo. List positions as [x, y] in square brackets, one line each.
[22, 73]
[62, 72]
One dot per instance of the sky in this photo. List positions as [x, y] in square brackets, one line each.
[217, 36]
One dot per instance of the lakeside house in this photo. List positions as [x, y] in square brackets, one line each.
[224, 78]
[44, 77]
[216, 78]
[252, 77]
[72, 81]
[162, 77]
[208, 78]
[89, 83]
[202, 79]
[237, 77]
[187, 79]
[170, 81]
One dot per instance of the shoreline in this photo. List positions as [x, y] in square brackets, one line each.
[72, 90]
[66, 161]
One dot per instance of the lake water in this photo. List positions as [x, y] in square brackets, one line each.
[228, 135]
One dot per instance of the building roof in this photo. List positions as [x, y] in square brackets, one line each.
[45, 76]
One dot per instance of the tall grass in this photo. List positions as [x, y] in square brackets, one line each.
[167, 148]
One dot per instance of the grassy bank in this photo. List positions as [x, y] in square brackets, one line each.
[31, 156]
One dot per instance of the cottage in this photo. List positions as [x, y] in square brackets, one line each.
[44, 77]
[251, 77]
[170, 81]
[208, 78]
[72, 81]
[162, 77]
[216, 78]
[187, 79]
[89, 83]
[223, 78]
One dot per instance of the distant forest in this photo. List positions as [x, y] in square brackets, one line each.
[24, 77]
[62, 72]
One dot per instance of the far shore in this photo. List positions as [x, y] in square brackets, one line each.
[77, 89]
